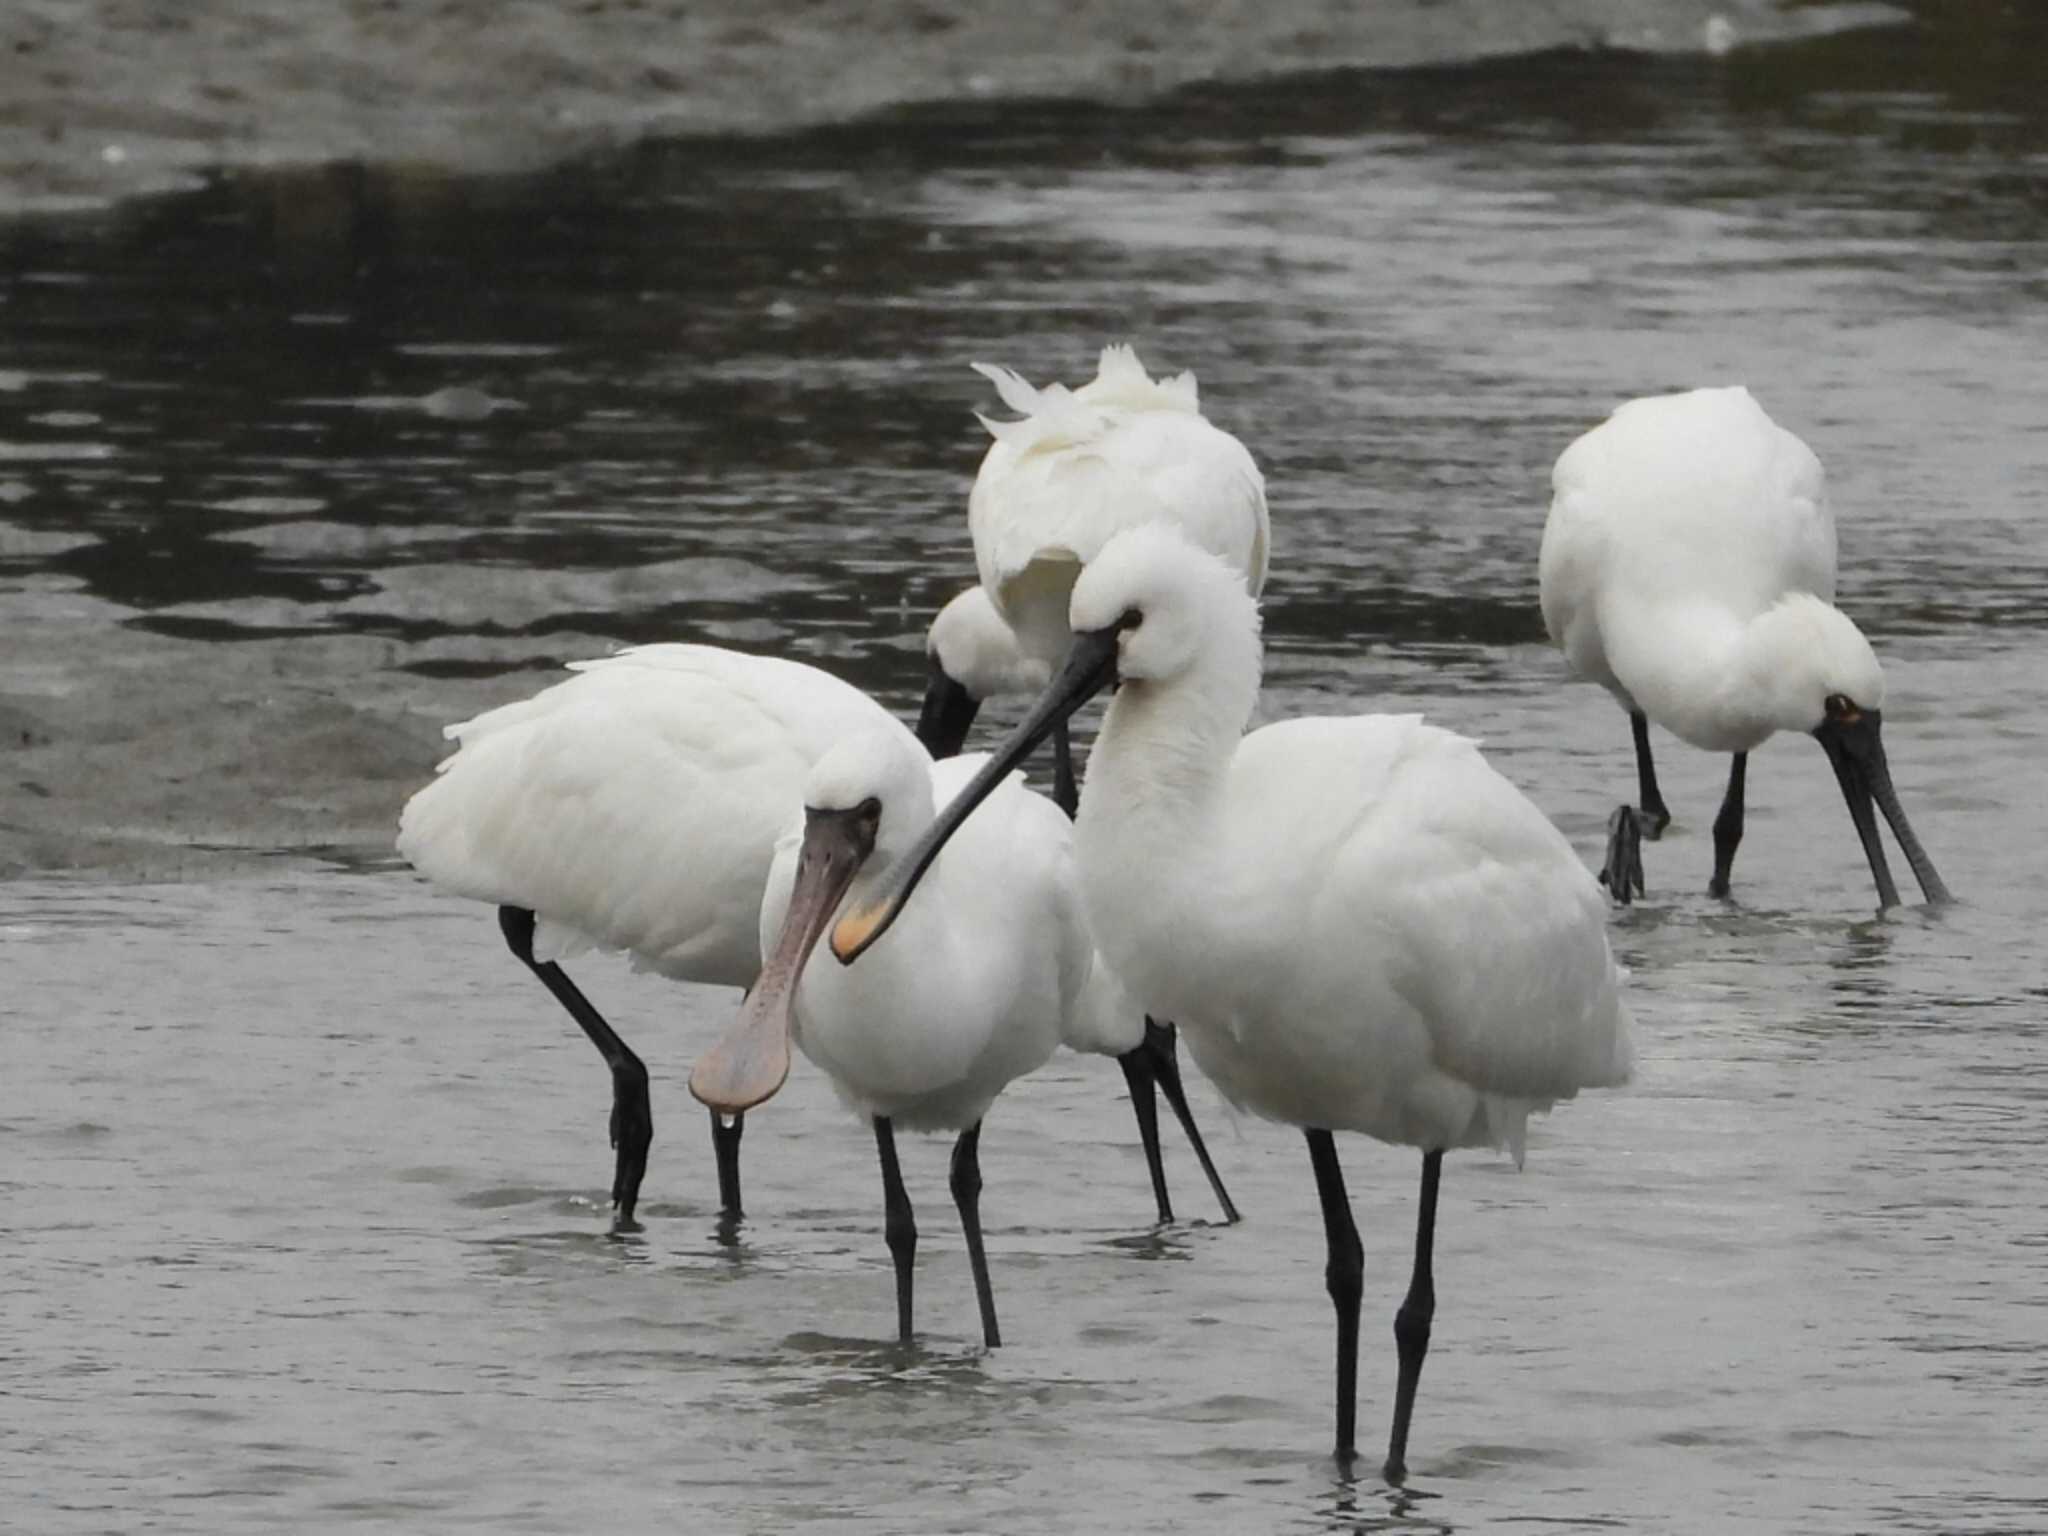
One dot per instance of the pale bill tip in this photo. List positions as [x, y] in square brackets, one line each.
[853, 932]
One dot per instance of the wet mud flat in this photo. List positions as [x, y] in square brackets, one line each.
[104, 98]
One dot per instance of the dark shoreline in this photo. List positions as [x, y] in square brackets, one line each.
[106, 99]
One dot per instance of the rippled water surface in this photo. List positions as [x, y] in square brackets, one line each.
[303, 1182]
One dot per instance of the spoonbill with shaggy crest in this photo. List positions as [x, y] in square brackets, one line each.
[1359, 925]
[976, 989]
[1688, 567]
[1077, 466]
[1080, 465]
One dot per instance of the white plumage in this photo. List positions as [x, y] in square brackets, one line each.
[1688, 567]
[969, 643]
[1077, 466]
[635, 806]
[1361, 926]
[1357, 923]
[1080, 465]
[978, 987]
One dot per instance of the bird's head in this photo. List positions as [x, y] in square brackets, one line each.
[1147, 610]
[1156, 604]
[865, 801]
[1816, 673]
[1803, 656]
[973, 656]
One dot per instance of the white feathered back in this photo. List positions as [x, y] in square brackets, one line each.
[636, 805]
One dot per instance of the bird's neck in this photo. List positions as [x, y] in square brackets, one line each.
[1156, 777]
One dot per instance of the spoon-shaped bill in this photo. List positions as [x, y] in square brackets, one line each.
[750, 1064]
[1855, 749]
[1878, 774]
[1090, 667]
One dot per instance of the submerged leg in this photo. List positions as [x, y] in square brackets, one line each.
[899, 1227]
[1411, 1323]
[725, 1145]
[967, 1196]
[1345, 1277]
[632, 1122]
[1655, 817]
[1066, 791]
[1137, 1064]
[1159, 1043]
[1621, 871]
[1728, 826]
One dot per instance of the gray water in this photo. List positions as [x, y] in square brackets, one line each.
[303, 1200]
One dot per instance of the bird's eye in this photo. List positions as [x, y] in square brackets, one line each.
[1841, 707]
[869, 810]
[1131, 619]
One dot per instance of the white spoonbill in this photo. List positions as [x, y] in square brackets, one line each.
[1121, 450]
[635, 807]
[1081, 464]
[1359, 924]
[1688, 567]
[974, 656]
[976, 989]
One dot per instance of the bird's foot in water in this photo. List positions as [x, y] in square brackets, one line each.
[632, 1128]
[1622, 871]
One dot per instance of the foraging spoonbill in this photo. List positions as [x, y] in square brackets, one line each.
[976, 989]
[1688, 567]
[973, 656]
[635, 807]
[1359, 925]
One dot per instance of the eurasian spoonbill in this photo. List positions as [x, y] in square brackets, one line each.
[976, 989]
[1359, 924]
[1688, 567]
[635, 807]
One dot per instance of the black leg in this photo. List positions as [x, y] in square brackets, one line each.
[632, 1122]
[898, 1225]
[1137, 1065]
[1655, 817]
[1066, 792]
[725, 1145]
[1153, 1062]
[967, 1196]
[1728, 826]
[1621, 871]
[1345, 1277]
[1411, 1323]
[1159, 1042]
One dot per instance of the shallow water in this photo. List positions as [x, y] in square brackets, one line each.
[304, 1180]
